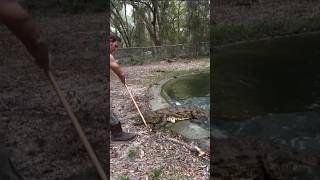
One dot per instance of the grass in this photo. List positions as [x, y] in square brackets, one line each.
[155, 174]
[123, 178]
[182, 177]
[131, 155]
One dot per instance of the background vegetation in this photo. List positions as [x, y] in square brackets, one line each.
[157, 22]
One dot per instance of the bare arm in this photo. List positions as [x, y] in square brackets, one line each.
[21, 24]
[115, 67]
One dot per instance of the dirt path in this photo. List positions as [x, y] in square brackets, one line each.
[153, 153]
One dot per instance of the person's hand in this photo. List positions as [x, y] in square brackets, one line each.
[123, 79]
[44, 63]
[42, 57]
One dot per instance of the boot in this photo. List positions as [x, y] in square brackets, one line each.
[118, 135]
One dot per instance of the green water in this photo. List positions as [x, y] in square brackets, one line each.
[192, 89]
[270, 89]
[271, 76]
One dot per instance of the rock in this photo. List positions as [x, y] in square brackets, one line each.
[190, 130]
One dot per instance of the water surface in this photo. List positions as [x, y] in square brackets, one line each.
[270, 89]
[193, 90]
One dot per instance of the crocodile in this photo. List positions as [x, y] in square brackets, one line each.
[161, 117]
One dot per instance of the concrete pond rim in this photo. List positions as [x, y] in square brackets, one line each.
[157, 100]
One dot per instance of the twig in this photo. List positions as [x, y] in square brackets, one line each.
[190, 147]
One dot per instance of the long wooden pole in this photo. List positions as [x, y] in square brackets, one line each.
[76, 124]
[144, 121]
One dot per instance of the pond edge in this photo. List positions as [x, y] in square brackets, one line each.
[157, 101]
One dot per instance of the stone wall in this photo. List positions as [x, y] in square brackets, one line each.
[138, 55]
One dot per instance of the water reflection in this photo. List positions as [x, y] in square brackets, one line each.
[270, 89]
[191, 89]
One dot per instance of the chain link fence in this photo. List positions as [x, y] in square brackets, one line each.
[139, 55]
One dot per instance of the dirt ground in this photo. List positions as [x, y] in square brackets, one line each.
[152, 151]
[34, 125]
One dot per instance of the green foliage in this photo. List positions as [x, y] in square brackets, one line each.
[131, 155]
[139, 32]
[123, 178]
[198, 29]
[155, 174]
[163, 22]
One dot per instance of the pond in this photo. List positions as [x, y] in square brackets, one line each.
[270, 89]
[190, 90]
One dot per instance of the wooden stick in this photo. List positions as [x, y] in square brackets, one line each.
[144, 121]
[76, 124]
[191, 148]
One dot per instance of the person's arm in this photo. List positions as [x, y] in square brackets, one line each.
[21, 24]
[115, 67]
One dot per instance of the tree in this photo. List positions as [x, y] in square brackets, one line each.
[198, 24]
[139, 34]
[148, 11]
[120, 21]
[162, 22]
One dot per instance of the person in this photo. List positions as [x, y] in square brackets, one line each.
[24, 27]
[117, 134]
